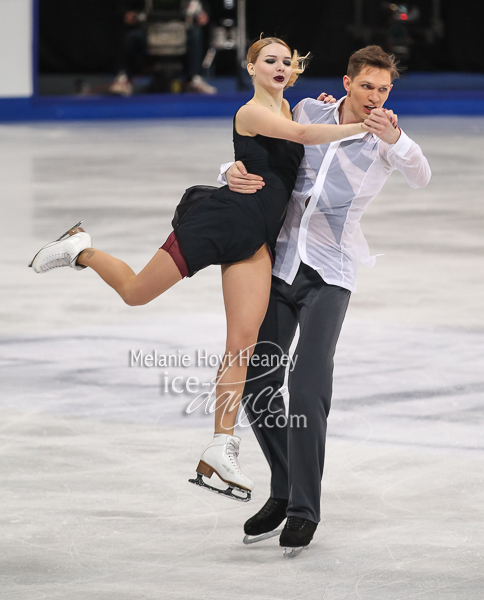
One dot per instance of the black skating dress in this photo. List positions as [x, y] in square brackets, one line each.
[215, 226]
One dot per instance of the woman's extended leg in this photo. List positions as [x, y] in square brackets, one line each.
[160, 274]
[246, 286]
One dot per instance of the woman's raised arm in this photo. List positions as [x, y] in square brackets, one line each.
[260, 120]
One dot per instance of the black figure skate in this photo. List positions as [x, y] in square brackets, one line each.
[262, 525]
[296, 535]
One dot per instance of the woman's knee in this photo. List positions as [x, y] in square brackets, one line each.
[132, 296]
[242, 343]
[132, 300]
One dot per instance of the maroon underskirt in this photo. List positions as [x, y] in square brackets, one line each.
[171, 246]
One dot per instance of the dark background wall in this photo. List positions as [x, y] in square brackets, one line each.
[82, 36]
[79, 36]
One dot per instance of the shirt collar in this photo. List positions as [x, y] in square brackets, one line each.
[336, 105]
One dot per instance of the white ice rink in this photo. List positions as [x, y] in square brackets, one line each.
[95, 456]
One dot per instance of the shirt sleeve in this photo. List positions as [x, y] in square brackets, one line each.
[407, 157]
[223, 169]
[296, 111]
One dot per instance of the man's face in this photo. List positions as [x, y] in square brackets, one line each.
[367, 91]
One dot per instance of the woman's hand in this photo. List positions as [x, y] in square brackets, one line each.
[327, 98]
[392, 116]
[242, 182]
[381, 123]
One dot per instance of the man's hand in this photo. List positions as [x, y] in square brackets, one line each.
[202, 18]
[326, 98]
[241, 181]
[384, 124]
[131, 18]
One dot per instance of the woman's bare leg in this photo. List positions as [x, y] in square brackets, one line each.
[160, 274]
[246, 286]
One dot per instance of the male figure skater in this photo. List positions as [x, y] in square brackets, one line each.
[313, 276]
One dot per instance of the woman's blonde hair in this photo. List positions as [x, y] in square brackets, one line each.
[298, 63]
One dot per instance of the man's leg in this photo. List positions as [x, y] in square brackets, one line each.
[134, 51]
[322, 311]
[194, 55]
[262, 400]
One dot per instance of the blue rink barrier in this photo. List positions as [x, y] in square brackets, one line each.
[170, 106]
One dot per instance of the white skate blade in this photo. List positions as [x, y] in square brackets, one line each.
[293, 552]
[228, 493]
[253, 539]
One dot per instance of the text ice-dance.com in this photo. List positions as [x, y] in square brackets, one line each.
[206, 390]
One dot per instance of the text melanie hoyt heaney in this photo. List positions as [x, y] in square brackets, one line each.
[206, 391]
[139, 358]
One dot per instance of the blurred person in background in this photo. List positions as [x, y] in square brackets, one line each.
[134, 50]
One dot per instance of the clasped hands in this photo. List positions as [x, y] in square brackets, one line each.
[381, 122]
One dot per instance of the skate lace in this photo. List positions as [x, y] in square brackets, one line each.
[295, 523]
[272, 505]
[61, 259]
[233, 454]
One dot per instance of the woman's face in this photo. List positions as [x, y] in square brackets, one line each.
[272, 69]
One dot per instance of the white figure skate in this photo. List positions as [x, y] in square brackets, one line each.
[63, 252]
[221, 457]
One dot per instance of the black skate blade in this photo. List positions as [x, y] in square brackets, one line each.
[293, 552]
[228, 493]
[57, 240]
[253, 539]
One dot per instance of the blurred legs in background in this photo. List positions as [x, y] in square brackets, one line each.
[132, 59]
[193, 63]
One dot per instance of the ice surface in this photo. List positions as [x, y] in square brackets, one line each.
[95, 455]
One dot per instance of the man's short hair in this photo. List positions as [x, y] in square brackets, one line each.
[372, 56]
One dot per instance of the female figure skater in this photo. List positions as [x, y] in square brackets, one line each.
[217, 226]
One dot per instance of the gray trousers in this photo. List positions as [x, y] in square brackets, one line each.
[294, 446]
